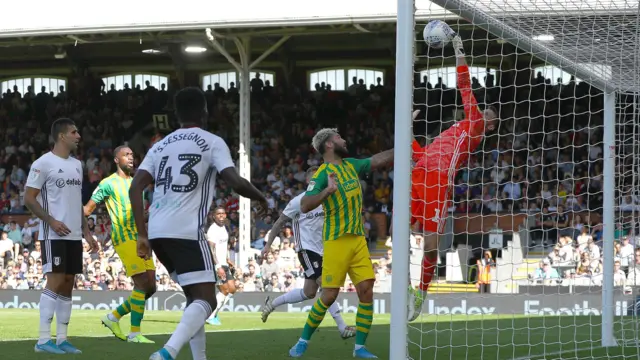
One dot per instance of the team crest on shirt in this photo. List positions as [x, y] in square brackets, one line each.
[56, 261]
[312, 184]
[35, 174]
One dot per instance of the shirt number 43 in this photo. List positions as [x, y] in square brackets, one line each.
[165, 179]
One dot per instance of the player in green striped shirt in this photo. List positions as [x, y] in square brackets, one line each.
[336, 186]
[114, 192]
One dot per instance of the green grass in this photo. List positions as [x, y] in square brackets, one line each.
[244, 336]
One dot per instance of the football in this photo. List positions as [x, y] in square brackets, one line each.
[437, 34]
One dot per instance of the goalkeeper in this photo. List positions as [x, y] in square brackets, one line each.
[435, 170]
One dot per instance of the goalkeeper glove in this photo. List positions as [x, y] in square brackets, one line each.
[458, 48]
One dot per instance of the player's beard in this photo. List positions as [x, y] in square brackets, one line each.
[341, 151]
[127, 169]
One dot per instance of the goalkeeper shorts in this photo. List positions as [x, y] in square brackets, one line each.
[430, 200]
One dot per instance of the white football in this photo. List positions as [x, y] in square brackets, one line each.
[437, 34]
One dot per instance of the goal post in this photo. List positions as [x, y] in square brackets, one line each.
[403, 137]
[594, 42]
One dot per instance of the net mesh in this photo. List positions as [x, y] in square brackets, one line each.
[519, 263]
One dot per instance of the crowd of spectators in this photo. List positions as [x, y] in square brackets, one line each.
[545, 159]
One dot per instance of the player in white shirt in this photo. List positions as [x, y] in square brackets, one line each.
[184, 165]
[218, 237]
[54, 188]
[307, 234]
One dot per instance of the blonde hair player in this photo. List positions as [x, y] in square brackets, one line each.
[434, 173]
[307, 235]
[336, 186]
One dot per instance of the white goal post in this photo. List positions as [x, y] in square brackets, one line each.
[594, 42]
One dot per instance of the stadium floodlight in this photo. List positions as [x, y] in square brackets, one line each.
[195, 49]
[565, 76]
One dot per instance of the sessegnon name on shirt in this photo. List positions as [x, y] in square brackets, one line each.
[190, 136]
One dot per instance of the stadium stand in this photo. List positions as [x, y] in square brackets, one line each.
[522, 174]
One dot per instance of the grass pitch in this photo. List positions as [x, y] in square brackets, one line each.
[244, 336]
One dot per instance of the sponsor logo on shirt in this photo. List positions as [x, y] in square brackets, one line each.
[350, 185]
[68, 182]
[314, 215]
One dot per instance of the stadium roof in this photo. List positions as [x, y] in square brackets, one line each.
[63, 17]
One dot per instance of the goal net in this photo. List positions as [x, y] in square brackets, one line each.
[537, 259]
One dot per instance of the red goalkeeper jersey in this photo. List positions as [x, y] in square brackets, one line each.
[437, 164]
[464, 135]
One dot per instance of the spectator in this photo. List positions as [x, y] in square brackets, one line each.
[545, 273]
[530, 165]
[288, 257]
[584, 237]
[626, 253]
[484, 266]
[633, 277]
[619, 277]
[274, 284]
[6, 248]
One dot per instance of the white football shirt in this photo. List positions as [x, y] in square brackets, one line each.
[184, 165]
[307, 228]
[220, 237]
[60, 183]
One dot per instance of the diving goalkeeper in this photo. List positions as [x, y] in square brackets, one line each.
[435, 170]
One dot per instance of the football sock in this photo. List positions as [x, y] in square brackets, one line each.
[136, 302]
[220, 297]
[192, 321]
[316, 315]
[226, 300]
[47, 310]
[122, 310]
[428, 269]
[198, 345]
[364, 318]
[334, 310]
[63, 316]
[292, 297]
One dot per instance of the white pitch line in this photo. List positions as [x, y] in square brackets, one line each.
[554, 353]
[149, 334]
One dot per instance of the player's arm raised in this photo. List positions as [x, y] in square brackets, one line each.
[385, 158]
[464, 82]
[381, 159]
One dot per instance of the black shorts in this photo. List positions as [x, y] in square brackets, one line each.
[311, 263]
[187, 261]
[228, 274]
[62, 256]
